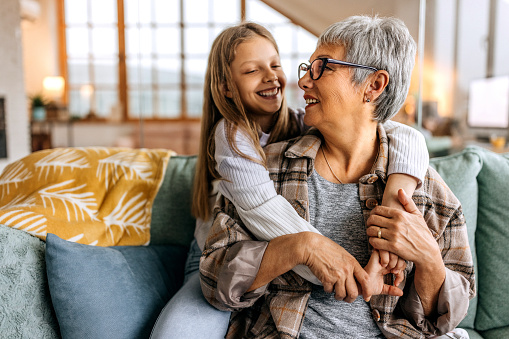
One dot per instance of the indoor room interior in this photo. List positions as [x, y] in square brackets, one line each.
[130, 73]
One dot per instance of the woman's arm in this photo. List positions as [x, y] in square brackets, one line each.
[442, 281]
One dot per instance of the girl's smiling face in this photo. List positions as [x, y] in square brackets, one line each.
[259, 77]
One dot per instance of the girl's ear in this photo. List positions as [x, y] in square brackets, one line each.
[377, 84]
[226, 92]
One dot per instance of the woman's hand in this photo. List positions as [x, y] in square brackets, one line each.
[404, 233]
[337, 269]
[376, 283]
[407, 235]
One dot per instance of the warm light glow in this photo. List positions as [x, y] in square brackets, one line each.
[54, 87]
[86, 91]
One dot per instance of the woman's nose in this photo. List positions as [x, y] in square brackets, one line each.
[305, 82]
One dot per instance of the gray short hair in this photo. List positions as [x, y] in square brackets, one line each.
[384, 43]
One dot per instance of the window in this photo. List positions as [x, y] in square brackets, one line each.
[130, 58]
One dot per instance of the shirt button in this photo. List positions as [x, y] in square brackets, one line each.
[375, 314]
[372, 179]
[371, 203]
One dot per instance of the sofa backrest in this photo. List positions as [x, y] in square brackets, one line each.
[172, 222]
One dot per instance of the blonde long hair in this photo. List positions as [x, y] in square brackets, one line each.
[217, 106]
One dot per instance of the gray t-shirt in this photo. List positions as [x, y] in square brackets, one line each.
[335, 211]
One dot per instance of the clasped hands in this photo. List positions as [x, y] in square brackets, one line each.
[404, 235]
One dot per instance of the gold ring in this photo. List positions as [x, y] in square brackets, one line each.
[379, 233]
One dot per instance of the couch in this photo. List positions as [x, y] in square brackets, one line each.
[117, 291]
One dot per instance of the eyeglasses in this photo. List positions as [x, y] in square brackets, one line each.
[318, 66]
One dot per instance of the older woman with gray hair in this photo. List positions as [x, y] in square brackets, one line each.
[335, 176]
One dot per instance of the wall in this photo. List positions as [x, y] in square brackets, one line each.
[11, 82]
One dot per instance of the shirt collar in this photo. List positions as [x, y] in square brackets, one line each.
[307, 146]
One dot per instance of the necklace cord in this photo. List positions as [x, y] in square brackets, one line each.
[327, 161]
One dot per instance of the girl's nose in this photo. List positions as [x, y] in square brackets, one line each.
[271, 76]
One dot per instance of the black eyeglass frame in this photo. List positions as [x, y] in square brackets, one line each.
[305, 67]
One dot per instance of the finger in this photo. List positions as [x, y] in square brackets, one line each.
[379, 221]
[385, 259]
[407, 202]
[352, 292]
[393, 261]
[327, 287]
[392, 290]
[379, 244]
[383, 211]
[398, 278]
[339, 291]
[372, 231]
[401, 264]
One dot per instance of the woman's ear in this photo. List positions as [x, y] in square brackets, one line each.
[226, 92]
[377, 84]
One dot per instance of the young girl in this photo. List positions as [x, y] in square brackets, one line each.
[244, 110]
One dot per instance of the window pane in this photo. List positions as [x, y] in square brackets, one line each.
[290, 69]
[106, 72]
[168, 71]
[195, 70]
[226, 11]
[284, 38]
[194, 99]
[79, 104]
[167, 41]
[196, 11]
[77, 42]
[139, 41]
[196, 40]
[139, 71]
[167, 11]
[104, 41]
[103, 11]
[78, 72]
[306, 42]
[76, 11]
[169, 103]
[137, 11]
[140, 103]
[105, 100]
[263, 14]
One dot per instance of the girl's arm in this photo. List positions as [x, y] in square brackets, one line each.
[248, 186]
[408, 161]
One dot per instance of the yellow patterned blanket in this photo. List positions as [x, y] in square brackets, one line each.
[95, 196]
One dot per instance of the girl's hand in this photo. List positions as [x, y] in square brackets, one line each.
[376, 283]
[394, 264]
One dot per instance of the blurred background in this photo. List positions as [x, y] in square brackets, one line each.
[130, 72]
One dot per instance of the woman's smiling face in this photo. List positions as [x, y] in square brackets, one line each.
[259, 77]
[334, 96]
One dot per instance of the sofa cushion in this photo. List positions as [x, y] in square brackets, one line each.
[172, 222]
[492, 239]
[460, 172]
[111, 292]
[97, 195]
[25, 303]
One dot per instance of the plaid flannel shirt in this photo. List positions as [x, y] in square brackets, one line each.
[280, 310]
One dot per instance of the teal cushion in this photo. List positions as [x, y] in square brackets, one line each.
[172, 222]
[111, 292]
[25, 303]
[497, 333]
[460, 171]
[492, 241]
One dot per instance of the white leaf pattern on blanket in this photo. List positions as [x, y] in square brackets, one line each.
[82, 203]
[126, 164]
[19, 202]
[131, 214]
[61, 158]
[34, 223]
[14, 175]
